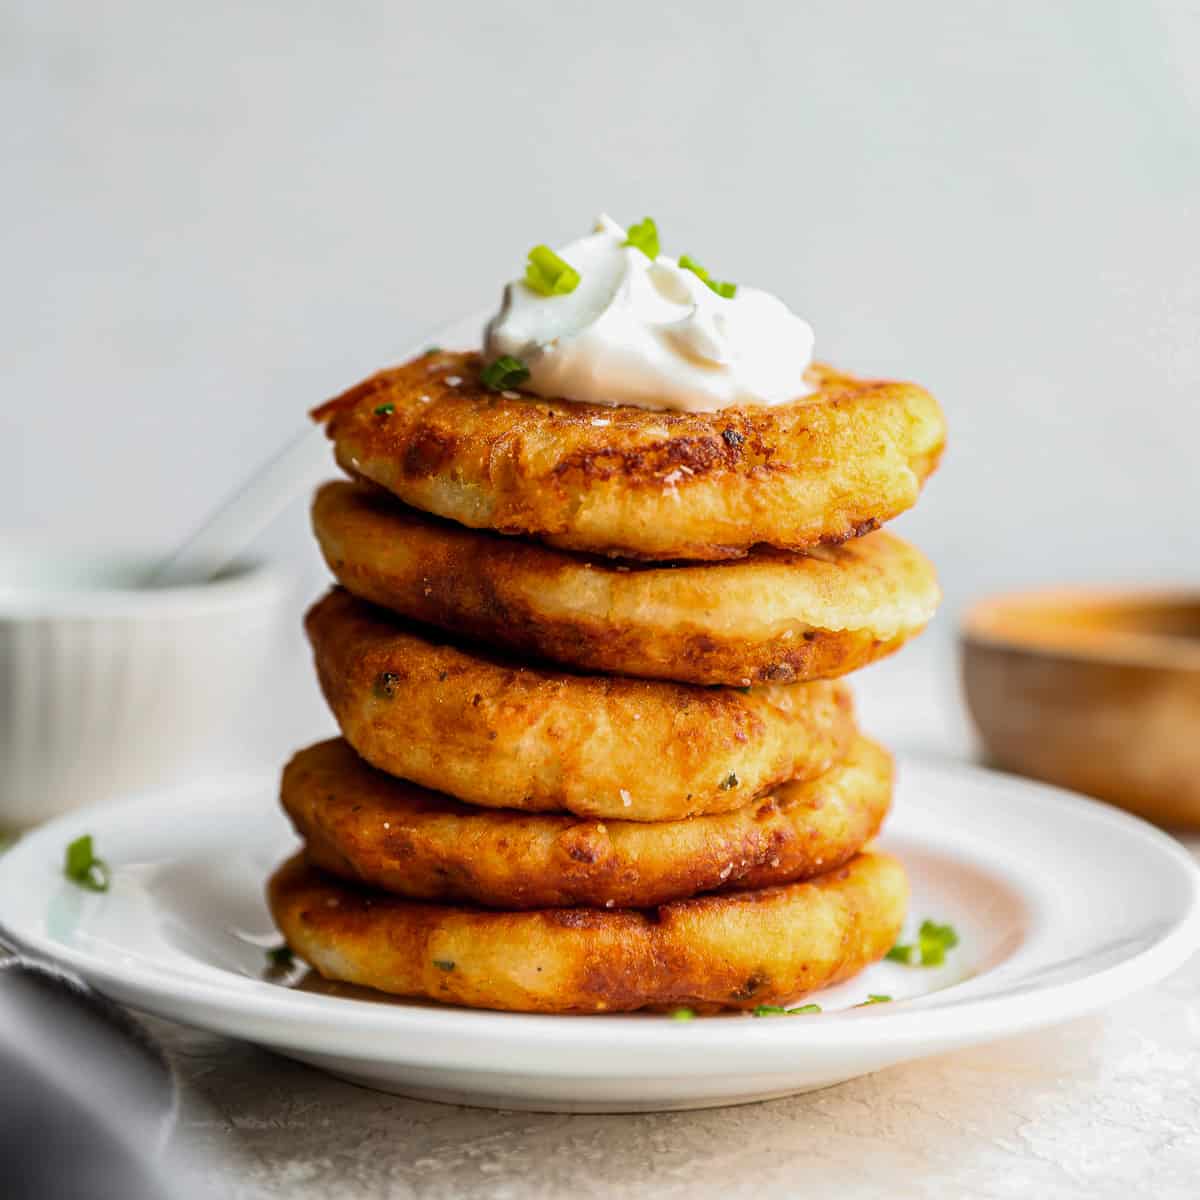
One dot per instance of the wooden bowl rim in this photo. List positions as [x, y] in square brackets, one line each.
[1009, 621]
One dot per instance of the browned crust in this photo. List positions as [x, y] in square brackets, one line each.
[771, 617]
[734, 950]
[368, 827]
[496, 733]
[639, 484]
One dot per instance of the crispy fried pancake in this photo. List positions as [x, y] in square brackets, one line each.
[734, 950]
[633, 483]
[494, 732]
[772, 617]
[368, 827]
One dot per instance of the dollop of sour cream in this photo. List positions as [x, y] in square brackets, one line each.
[650, 334]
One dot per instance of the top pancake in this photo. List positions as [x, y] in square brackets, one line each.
[632, 483]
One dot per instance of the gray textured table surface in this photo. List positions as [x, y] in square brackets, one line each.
[1103, 1107]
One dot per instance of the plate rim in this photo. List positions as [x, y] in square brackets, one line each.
[321, 1024]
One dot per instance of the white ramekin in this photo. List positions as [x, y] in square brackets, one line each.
[107, 688]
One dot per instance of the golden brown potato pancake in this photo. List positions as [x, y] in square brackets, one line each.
[771, 617]
[368, 827]
[734, 950]
[497, 733]
[637, 484]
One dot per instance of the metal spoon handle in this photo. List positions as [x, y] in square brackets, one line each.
[293, 472]
[298, 467]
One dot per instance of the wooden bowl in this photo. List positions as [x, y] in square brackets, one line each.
[1094, 691]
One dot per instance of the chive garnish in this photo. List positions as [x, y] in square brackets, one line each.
[775, 1010]
[683, 1014]
[280, 956]
[935, 940]
[929, 950]
[872, 998]
[726, 290]
[81, 866]
[443, 964]
[385, 410]
[643, 236]
[506, 372]
[548, 274]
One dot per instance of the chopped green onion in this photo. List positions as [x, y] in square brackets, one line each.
[548, 274]
[443, 964]
[683, 1014]
[506, 372]
[81, 866]
[431, 350]
[929, 950]
[643, 236]
[775, 1010]
[935, 940]
[945, 934]
[385, 410]
[874, 999]
[726, 290]
[280, 956]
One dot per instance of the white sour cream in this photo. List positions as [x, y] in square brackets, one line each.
[650, 334]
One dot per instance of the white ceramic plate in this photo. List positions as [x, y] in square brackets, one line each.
[1062, 905]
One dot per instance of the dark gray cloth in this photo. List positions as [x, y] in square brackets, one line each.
[86, 1097]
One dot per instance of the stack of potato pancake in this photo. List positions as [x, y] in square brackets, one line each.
[596, 755]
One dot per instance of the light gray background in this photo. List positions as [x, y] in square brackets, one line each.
[214, 215]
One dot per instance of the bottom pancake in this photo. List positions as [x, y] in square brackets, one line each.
[374, 829]
[734, 950]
